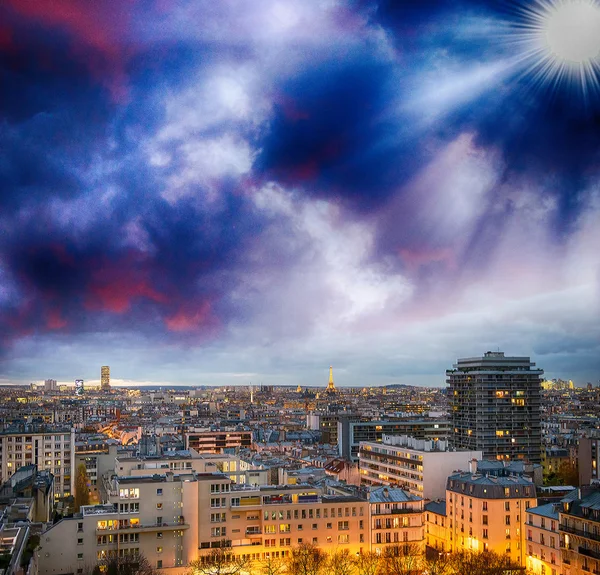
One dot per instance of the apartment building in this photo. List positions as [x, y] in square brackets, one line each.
[208, 441]
[50, 448]
[488, 513]
[543, 541]
[419, 466]
[144, 516]
[588, 458]
[172, 518]
[436, 526]
[579, 525]
[351, 433]
[396, 519]
[495, 406]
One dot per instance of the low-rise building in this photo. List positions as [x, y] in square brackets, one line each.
[543, 540]
[396, 519]
[488, 513]
[419, 466]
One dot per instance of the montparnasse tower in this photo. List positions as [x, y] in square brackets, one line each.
[331, 385]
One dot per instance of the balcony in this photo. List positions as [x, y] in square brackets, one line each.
[580, 532]
[589, 552]
[142, 528]
[253, 531]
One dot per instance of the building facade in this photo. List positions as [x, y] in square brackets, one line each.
[105, 378]
[488, 513]
[579, 524]
[50, 448]
[543, 540]
[396, 520]
[172, 519]
[217, 441]
[351, 433]
[495, 406]
[419, 466]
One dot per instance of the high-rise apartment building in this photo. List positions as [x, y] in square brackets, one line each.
[105, 378]
[495, 406]
[50, 385]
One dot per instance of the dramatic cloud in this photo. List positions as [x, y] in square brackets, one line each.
[201, 192]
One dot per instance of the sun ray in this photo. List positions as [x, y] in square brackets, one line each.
[558, 42]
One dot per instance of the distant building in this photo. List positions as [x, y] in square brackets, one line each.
[589, 460]
[79, 387]
[495, 406]
[105, 378]
[217, 441]
[50, 385]
[350, 432]
[419, 466]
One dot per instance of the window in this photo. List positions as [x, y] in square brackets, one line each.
[79, 541]
[159, 535]
[79, 556]
[485, 534]
[159, 564]
[484, 519]
[329, 526]
[507, 532]
[315, 526]
[507, 506]
[159, 549]
[343, 526]
[159, 506]
[343, 538]
[159, 492]
[507, 520]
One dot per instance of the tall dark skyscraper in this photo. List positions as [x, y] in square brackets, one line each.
[495, 406]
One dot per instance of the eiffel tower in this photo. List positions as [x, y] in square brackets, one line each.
[331, 385]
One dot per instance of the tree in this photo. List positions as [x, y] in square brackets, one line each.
[219, 561]
[440, 564]
[82, 492]
[486, 563]
[368, 563]
[341, 563]
[272, 566]
[402, 559]
[307, 559]
[126, 565]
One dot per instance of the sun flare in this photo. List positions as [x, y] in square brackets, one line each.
[561, 41]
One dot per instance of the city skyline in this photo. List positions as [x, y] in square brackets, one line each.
[225, 194]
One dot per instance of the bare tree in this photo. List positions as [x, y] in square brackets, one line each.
[486, 563]
[272, 566]
[401, 560]
[440, 564]
[368, 563]
[219, 561]
[126, 565]
[341, 563]
[307, 559]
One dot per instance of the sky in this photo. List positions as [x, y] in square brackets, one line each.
[236, 192]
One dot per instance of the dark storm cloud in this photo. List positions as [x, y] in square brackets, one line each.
[88, 243]
[333, 133]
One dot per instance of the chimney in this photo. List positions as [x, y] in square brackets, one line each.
[386, 492]
[473, 466]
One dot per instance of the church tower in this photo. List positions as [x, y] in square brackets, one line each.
[330, 385]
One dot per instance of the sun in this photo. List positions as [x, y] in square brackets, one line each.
[560, 43]
[572, 32]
